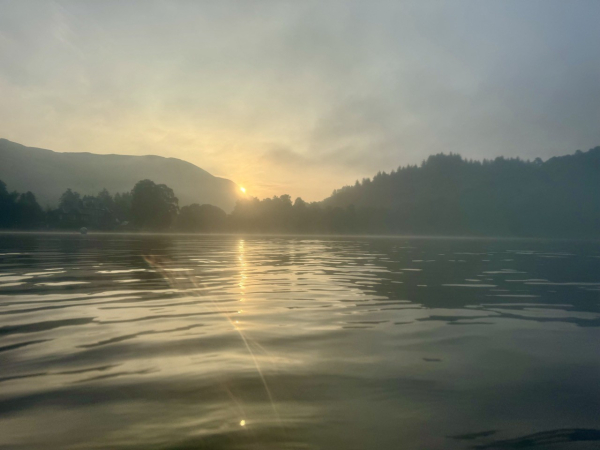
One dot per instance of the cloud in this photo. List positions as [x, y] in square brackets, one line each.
[301, 96]
[284, 157]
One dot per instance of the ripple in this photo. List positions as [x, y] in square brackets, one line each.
[471, 285]
[158, 342]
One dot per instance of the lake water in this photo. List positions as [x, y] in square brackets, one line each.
[224, 342]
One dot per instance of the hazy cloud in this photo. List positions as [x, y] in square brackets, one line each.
[301, 97]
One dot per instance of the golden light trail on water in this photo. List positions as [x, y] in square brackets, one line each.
[179, 283]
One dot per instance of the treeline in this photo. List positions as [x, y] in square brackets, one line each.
[280, 215]
[450, 195]
[149, 206]
[445, 195]
[155, 207]
[19, 211]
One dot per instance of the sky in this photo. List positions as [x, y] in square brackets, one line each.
[296, 97]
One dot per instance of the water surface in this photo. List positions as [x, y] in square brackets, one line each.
[224, 342]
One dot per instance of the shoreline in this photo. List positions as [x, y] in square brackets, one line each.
[300, 235]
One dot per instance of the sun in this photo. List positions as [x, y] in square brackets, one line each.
[243, 189]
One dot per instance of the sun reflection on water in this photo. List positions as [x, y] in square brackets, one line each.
[183, 284]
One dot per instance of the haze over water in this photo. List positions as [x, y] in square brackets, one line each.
[185, 342]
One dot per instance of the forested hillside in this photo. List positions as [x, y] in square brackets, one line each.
[447, 194]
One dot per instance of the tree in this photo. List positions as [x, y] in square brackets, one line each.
[299, 204]
[201, 218]
[122, 203]
[105, 200]
[7, 206]
[19, 210]
[29, 214]
[153, 206]
[70, 201]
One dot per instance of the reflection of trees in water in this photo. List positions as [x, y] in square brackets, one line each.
[392, 275]
[83, 258]
[541, 439]
[340, 263]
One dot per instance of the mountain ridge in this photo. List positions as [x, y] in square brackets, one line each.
[48, 173]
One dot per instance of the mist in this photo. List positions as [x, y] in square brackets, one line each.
[301, 97]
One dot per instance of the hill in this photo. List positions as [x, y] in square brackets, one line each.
[450, 195]
[48, 174]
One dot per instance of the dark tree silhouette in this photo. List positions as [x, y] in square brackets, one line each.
[122, 205]
[100, 212]
[29, 214]
[105, 200]
[7, 206]
[445, 195]
[19, 211]
[203, 218]
[450, 195]
[153, 206]
[70, 201]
